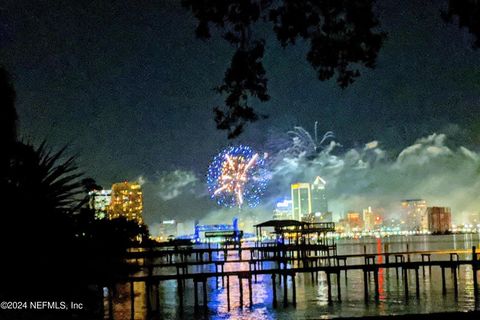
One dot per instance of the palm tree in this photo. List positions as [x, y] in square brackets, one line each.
[51, 245]
[52, 248]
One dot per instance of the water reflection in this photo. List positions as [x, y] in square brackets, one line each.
[312, 299]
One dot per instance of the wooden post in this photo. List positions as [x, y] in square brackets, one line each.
[240, 286]
[274, 289]
[250, 296]
[195, 288]
[205, 300]
[417, 282]
[377, 291]
[474, 270]
[365, 284]
[132, 301]
[455, 280]
[228, 293]
[405, 283]
[444, 287]
[339, 291]
[223, 277]
[329, 284]
[294, 290]
[423, 265]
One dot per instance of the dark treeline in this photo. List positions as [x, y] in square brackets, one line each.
[52, 247]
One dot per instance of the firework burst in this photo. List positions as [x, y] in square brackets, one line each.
[237, 177]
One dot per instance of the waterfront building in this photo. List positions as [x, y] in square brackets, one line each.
[301, 200]
[354, 221]
[167, 229]
[319, 196]
[439, 219]
[310, 199]
[99, 201]
[126, 201]
[283, 210]
[415, 214]
[368, 219]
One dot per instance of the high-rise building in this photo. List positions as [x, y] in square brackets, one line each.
[415, 214]
[301, 200]
[319, 196]
[283, 210]
[99, 201]
[439, 219]
[127, 201]
[167, 229]
[310, 199]
[368, 219]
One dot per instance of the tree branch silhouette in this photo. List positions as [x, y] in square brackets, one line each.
[341, 33]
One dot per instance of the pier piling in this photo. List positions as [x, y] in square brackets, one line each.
[365, 284]
[228, 293]
[474, 271]
[444, 287]
[274, 291]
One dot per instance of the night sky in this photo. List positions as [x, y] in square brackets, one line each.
[129, 87]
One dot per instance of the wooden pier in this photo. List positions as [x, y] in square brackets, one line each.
[287, 262]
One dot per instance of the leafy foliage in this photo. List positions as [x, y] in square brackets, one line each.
[341, 34]
[52, 247]
[467, 14]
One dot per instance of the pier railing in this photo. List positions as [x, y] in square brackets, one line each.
[283, 262]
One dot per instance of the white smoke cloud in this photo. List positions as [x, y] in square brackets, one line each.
[170, 185]
[431, 169]
[361, 177]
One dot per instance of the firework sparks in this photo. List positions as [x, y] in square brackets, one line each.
[237, 176]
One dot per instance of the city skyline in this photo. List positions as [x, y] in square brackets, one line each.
[240, 159]
[147, 122]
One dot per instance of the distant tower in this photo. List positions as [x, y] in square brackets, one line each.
[302, 200]
[368, 219]
[439, 219]
[415, 214]
[127, 201]
[319, 196]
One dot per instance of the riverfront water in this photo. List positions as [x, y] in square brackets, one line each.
[312, 297]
